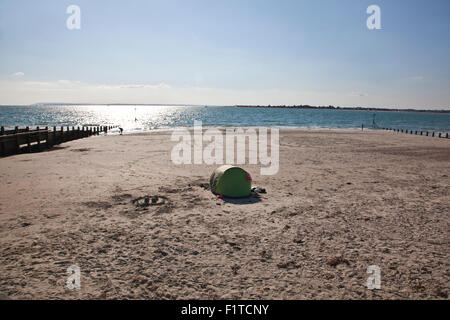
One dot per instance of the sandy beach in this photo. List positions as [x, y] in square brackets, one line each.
[341, 201]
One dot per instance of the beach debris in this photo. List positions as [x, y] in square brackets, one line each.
[161, 203]
[234, 245]
[265, 255]
[204, 186]
[160, 252]
[288, 265]
[299, 239]
[333, 262]
[148, 200]
[235, 268]
[258, 190]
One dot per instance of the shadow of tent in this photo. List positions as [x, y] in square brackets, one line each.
[253, 198]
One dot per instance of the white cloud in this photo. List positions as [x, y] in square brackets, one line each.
[64, 81]
[358, 94]
[18, 74]
[136, 86]
[418, 78]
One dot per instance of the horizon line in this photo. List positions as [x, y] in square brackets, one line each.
[293, 106]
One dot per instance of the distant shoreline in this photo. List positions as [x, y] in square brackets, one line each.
[304, 107]
[307, 107]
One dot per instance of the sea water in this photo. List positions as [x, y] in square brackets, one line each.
[152, 117]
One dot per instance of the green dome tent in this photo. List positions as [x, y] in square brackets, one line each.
[231, 181]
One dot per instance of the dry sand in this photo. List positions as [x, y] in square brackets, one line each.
[341, 201]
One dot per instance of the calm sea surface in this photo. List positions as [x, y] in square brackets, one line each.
[145, 118]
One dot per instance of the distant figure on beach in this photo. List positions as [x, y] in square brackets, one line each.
[362, 127]
[121, 130]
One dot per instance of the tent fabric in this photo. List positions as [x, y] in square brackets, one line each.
[230, 181]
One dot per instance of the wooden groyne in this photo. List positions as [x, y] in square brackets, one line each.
[21, 140]
[432, 134]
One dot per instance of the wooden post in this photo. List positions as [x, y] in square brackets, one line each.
[38, 139]
[28, 139]
[47, 142]
[16, 130]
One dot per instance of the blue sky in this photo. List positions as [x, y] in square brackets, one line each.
[227, 52]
